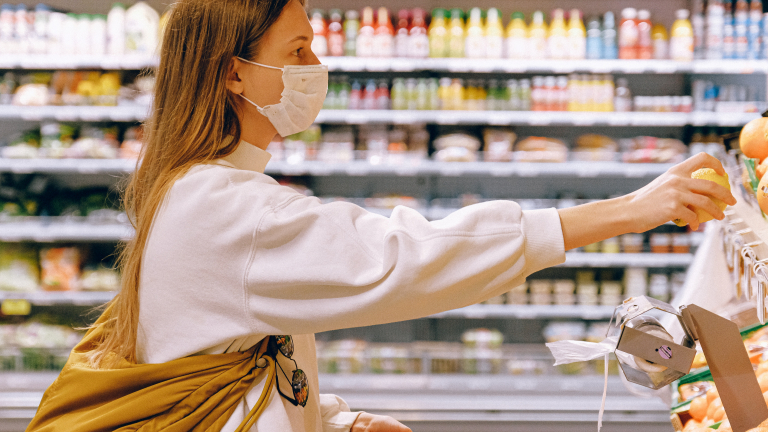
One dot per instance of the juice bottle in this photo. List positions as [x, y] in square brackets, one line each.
[537, 36]
[628, 34]
[517, 37]
[644, 41]
[335, 34]
[741, 26]
[364, 43]
[753, 32]
[438, 34]
[714, 30]
[610, 45]
[594, 39]
[320, 30]
[494, 35]
[351, 28]
[557, 41]
[384, 35]
[660, 40]
[577, 36]
[418, 41]
[402, 31]
[456, 34]
[729, 33]
[697, 22]
[474, 42]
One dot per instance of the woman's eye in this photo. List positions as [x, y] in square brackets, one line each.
[297, 52]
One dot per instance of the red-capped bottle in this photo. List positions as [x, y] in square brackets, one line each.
[402, 32]
[418, 46]
[335, 34]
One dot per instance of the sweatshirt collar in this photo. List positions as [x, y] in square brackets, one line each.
[248, 157]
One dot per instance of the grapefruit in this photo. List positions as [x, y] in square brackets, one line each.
[711, 175]
[761, 168]
[698, 409]
[753, 139]
[762, 194]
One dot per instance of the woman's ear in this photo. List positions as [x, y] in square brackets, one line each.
[234, 83]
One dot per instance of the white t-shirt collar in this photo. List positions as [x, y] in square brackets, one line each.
[248, 157]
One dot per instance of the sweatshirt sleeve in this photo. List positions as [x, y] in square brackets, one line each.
[335, 414]
[318, 267]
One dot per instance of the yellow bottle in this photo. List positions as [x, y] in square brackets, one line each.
[438, 34]
[517, 37]
[494, 35]
[557, 41]
[474, 43]
[456, 34]
[660, 42]
[681, 42]
[537, 36]
[577, 36]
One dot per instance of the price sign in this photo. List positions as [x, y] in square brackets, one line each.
[15, 307]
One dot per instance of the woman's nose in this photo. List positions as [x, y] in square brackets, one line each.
[312, 59]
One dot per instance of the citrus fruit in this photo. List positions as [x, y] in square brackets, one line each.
[712, 395]
[761, 168]
[711, 175]
[698, 409]
[753, 139]
[713, 407]
[762, 194]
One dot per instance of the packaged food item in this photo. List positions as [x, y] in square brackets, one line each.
[660, 42]
[60, 268]
[482, 352]
[320, 32]
[628, 34]
[418, 41]
[498, 144]
[681, 243]
[632, 243]
[661, 243]
[594, 39]
[351, 29]
[557, 39]
[577, 36]
[518, 295]
[540, 149]
[610, 44]
[344, 356]
[593, 147]
[19, 269]
[335, 35]
[390, 359]
[401, 33]
[364, 43]
[132, 143]
[659, 287]
[644, 38]
[537, 36]
[653, 150]
[99, 279]
[456, 147]
[384, 35]
[611, 245]
[456, 34]
[494, 35]
[116, 30]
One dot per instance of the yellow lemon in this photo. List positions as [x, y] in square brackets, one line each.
[711, 175]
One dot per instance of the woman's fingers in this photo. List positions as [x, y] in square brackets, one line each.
[703, 203]
[701, 160]
[690, 217]
[712, 189]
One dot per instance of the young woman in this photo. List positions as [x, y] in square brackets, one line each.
[224, 257]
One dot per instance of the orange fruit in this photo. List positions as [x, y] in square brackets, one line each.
[763, 381]
[691, 426]
[761, 369]
[761, 168]
[753, 139]
[719, 414]
[698, 409]
[712, 395]
[762, 194]
[713, 407]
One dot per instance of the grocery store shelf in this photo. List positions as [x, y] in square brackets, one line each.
[583, 259]
[46, 230]
[428, 403]
[131, 113]
[128, 113]
[535, 118]
[107, 62]
[69, 166]
[357, 64]
[406, 167]
[454, 169]
[361, 64]
[49, 298]
[530, 312]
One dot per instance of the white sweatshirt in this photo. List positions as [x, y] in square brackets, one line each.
[233, 257]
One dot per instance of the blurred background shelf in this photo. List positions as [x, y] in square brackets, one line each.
[50, 298]
[47, 230]
[363, 64]
[129, 113]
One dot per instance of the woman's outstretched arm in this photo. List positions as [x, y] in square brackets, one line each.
[673, 195]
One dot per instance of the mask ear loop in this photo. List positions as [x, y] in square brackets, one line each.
[259, 64]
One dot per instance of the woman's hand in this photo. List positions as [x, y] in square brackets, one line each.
[674, 195]
[376, 423]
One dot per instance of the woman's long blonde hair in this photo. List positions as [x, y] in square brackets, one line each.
[193, 113]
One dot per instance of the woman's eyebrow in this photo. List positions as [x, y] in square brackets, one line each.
[297, 38]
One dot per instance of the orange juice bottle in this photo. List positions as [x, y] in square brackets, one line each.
[438, 34]
[537, 36]
[474, 42]
[494, 34]
[577, 36]
[456, 34]
[517, 37]
[557, 41]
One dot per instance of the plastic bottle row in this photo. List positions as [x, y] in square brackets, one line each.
[45, 30]
[575, 93]
[731, 31]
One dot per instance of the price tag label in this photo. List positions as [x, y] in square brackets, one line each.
[15, 307]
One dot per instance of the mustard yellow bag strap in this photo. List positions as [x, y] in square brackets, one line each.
[257, 409]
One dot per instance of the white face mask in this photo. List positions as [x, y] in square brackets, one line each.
[302, 98]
